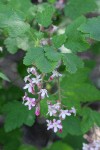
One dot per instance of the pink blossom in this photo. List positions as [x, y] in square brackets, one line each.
[44, 41]
[37, 111]
[32, 70]
[57, 105]
[57, 125]
[30, 87]
[55, 74]
[30, 103]
[64, 113]
[43, 93]
[59, 4]
[27, 78]
[49, 124]
[37, 80]
[25, 97]
[51, 110]
[95, 145]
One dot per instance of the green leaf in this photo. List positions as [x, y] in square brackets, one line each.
[96, 48]
[26, 8]
[90, 118]
[32, 55]
[4, 77]
[75, 85]
[23, 42]
[91, 28]
[36, 56]
[74, 9]
[59, 146]
[75, 40]
[11, 45]
[26, 147]
[72, 126]
[52, 54]
[17, 115]
[44, 17]
[87, 121]
[72, 62]
[58, 40]
[75, 141]
[11, 140]
[14, 24]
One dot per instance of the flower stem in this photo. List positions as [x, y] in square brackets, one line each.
[59, 90]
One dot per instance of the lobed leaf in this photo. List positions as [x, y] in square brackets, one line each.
[75, 40]
[72, 62]
[17, 115]
[58, 40]
[37, 57]
[74, 9]
[91, 28]
[44, 17]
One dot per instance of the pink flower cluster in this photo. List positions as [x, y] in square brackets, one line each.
[34, 87]
[95, 145]
[57, 111]
[33, 81]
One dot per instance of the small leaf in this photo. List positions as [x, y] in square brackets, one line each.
[72, 62]
[91, 28]
[44, 17]
[4, 77]
[52, 54]
[75, 41]
[11, 45]
[58, 40]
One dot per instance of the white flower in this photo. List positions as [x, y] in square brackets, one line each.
[43, 93]
[57, 125]
[30, 103]
[27, 78]
[51, 110]
[55, 74]
[55, 28]
[57, 105]
[1, 49]
[64, 113]
[44, 42]
[85, 146]
[61, 31]
[32, 70]
[49, 124]
[95, 145]
[30, 87]
[24, 97]
[73, 110]
[37, 79]
[64, 49]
